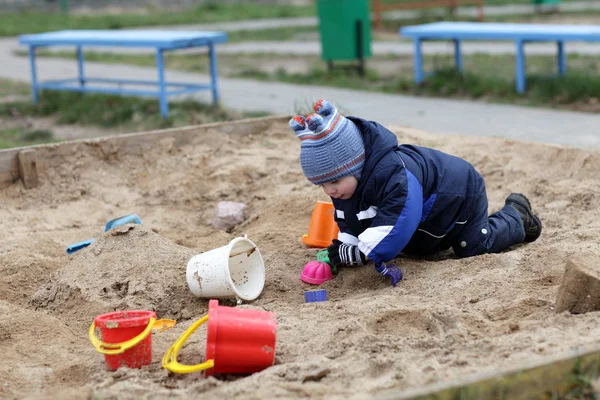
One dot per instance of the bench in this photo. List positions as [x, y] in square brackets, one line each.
[519, 33]
[160, 41]
[379, 8]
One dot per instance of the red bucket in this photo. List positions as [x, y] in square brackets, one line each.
[126, 337]
[239, 341]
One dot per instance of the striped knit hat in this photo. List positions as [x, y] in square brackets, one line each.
[332, 146]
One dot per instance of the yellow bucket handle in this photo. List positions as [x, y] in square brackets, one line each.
[118, 348]
[169, 361]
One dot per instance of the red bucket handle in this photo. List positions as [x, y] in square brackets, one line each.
[169, 361]
[119, 348]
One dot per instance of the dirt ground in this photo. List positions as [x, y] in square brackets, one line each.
[448, 319]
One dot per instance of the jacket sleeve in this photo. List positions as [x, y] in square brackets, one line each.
[344, 235]
[398, 216]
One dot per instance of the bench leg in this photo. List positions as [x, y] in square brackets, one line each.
[458, 60]
[80, 61]
[418, 61]
[34, 82]
[213, 72]
[562, 59]
[520, 66]
[162, 95]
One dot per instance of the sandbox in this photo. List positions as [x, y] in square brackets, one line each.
[448, 319]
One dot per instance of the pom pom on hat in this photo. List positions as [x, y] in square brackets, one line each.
[323, 107]
[298, 123]
[314, 121]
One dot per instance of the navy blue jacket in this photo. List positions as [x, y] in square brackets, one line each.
[409, 199]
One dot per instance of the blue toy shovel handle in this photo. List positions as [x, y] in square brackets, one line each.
[127, 219]
[78, 246]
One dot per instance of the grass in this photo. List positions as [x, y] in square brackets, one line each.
[19, 136]
[117, 113]
[485, 77]
[487, 2]
[192, 63]
[277, 34]
[578, 90]
[11, 88]
[16, 23]
[110, 111]
[582, 387]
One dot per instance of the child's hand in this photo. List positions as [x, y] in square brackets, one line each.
[391, 271]
[345, 254]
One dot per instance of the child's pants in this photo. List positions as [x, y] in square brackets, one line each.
[482, 234]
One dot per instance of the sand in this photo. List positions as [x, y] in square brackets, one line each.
[448, 319]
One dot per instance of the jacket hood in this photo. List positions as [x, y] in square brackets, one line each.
[378, 141]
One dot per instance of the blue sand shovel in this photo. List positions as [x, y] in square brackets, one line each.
[128, 219]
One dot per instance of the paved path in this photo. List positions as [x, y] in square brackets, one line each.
[430, 114]
[406, 48]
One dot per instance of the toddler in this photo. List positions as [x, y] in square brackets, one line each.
[392, 198]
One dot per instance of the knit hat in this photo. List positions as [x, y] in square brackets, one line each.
[332, 146]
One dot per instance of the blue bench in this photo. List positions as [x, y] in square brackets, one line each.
[161, 41]
[519, 33]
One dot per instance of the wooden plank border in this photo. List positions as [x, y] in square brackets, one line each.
[28, 168]
[132, 143]
[533, 380]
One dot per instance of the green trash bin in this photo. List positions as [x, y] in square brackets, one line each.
[541, 5]
[345, 28]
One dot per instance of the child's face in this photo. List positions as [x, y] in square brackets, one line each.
[342, 188]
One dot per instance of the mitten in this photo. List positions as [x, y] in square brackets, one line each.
[345, 254]
[391, 271]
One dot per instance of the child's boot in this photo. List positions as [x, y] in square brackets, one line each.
[532, 224]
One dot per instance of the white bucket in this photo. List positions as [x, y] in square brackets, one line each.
[235, 270]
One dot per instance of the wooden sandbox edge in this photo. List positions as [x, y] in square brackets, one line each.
[39, 157]
[534, 380]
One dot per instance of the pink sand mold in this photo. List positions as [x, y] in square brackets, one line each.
[316, 272]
